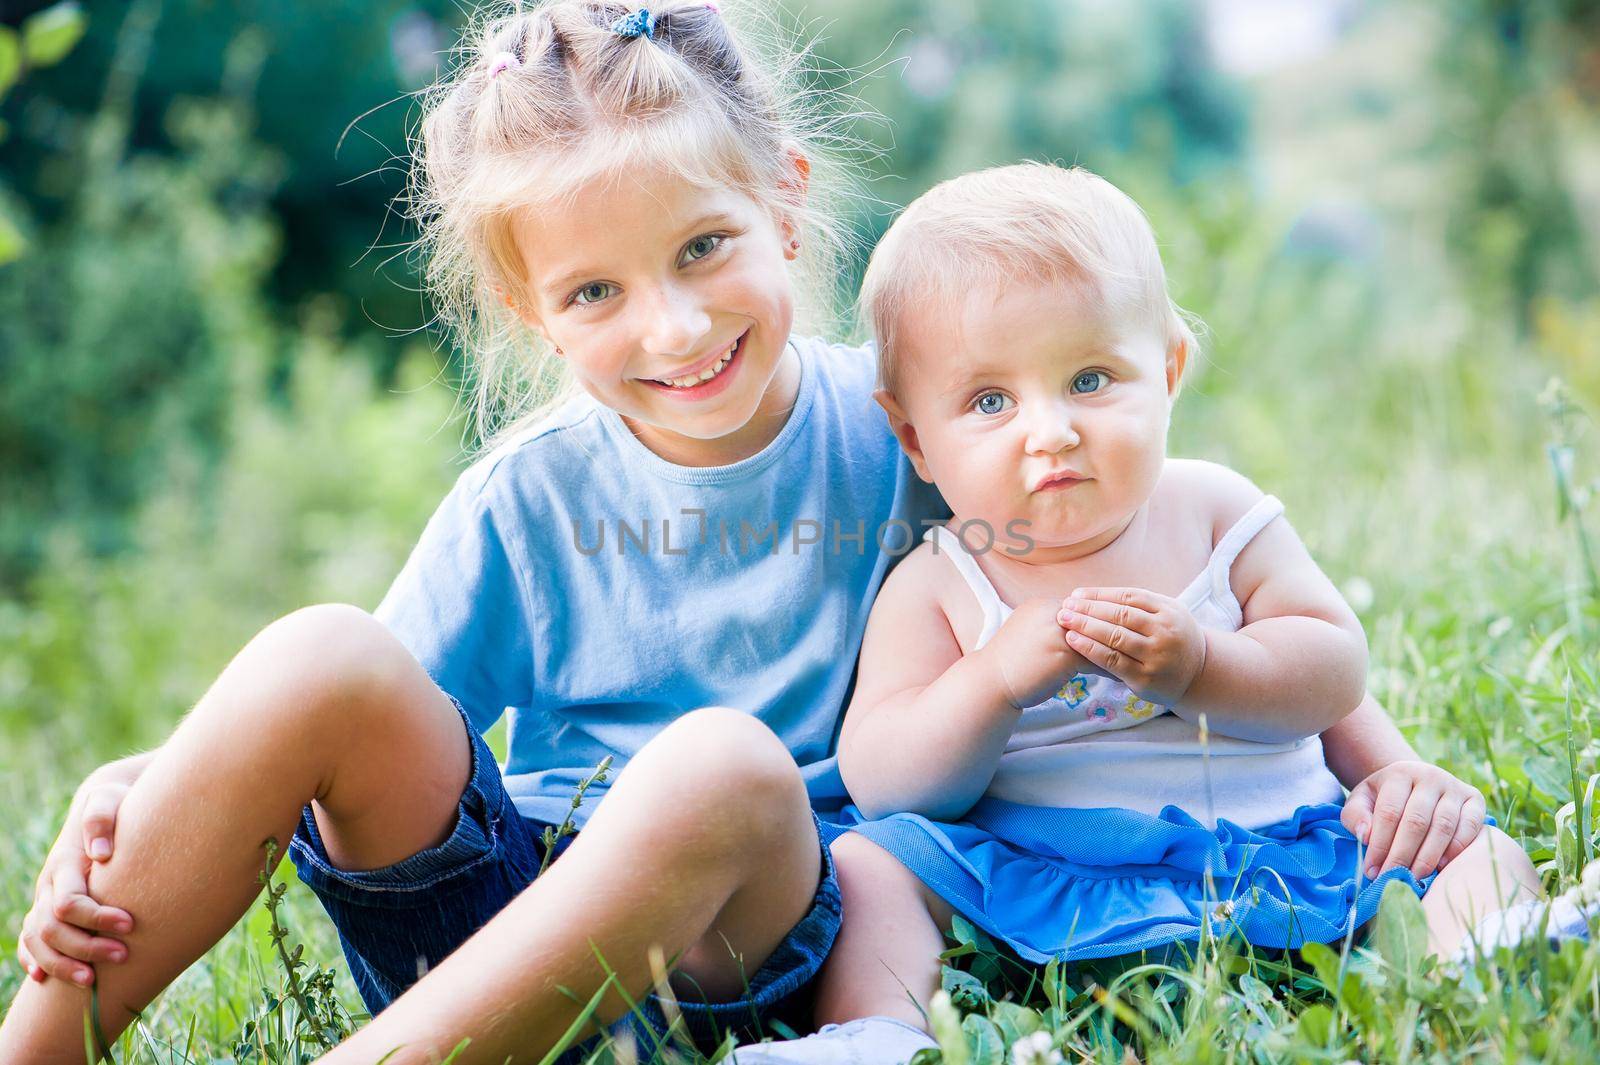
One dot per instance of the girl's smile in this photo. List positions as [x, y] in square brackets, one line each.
[706, 378]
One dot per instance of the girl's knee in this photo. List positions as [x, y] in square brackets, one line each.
[724, 770]
[730, 755]
[331, 657]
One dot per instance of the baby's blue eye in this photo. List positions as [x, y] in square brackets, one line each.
[991, 403]
[1088, 381]
[700, 247]
[593, 292]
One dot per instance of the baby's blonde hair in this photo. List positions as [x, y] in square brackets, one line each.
[545, 96]
[1030, 221]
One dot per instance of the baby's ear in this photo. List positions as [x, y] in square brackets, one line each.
[904, 431]
[1177, 359]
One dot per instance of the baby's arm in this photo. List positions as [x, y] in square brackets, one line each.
[1296, 666]
[927, 725]
[1407, 811]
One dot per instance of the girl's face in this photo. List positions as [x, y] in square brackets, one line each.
[671, 303]
[1038, 404]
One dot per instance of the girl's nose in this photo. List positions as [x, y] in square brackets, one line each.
[1050, 429]
[672, 322]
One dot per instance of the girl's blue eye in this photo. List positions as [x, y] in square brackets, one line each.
[593, 292]
[1088, 381]
[700, 247]
[991, 403]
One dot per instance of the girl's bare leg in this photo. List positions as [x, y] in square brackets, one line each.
[885, 962]
[322, 705]
[1492, 874]
[705, 844]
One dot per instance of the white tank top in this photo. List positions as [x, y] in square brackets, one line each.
[1096, 744]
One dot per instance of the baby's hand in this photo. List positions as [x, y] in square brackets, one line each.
[1030, 655]
[1149, 642]
[1413, 814]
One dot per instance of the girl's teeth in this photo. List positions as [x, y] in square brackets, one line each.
[704, 375]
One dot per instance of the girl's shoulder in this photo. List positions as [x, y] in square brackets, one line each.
[535, 453]
[1213, 496]
[841, 366]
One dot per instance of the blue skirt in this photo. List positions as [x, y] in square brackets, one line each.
[1081, 884]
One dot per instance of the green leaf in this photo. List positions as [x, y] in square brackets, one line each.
[10, 59]
[48, 36]
[1014, 1021]
[966, 991]
[1324, 962]
[1316, 1024]
[983, 1040]
[12, 242]
[1400, 931]
[964, 932]
[1053, 987]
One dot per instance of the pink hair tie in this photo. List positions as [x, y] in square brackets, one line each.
[714, 9]
[503, 61]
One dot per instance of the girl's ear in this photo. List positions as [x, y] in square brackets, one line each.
[798, 179]
[527, 319]
[904, 432]
[793, 187]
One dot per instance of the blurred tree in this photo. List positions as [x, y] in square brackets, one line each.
[41, 40]
[1116, 87]
[140, 303]
[326, 64]
[1518, 82]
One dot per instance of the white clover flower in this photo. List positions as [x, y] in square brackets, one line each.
[1358, 592]
[1035, 1049]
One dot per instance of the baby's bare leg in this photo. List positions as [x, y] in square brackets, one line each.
[1492, 874]
[323, 705]
[885, 962]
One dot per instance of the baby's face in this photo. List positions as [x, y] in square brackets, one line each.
[1038, 403]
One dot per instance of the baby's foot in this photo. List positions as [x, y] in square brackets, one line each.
[869, 1041]
[1567, 916]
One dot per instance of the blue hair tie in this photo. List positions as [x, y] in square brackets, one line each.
[639, 23]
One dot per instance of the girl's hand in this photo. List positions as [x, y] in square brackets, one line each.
[1413, 814]
[1030, 656]
[66, 928]
[1149, 642]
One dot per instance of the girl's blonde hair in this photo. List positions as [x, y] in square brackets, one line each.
[1030, 221]
[545, 96]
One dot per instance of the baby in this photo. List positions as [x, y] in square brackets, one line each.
[1088, 708]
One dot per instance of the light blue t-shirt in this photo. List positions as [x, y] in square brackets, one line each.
[595, 591]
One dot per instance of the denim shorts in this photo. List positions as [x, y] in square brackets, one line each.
[397, 923]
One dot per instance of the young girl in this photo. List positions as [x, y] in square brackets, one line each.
[1087, 708]
[673, 567]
